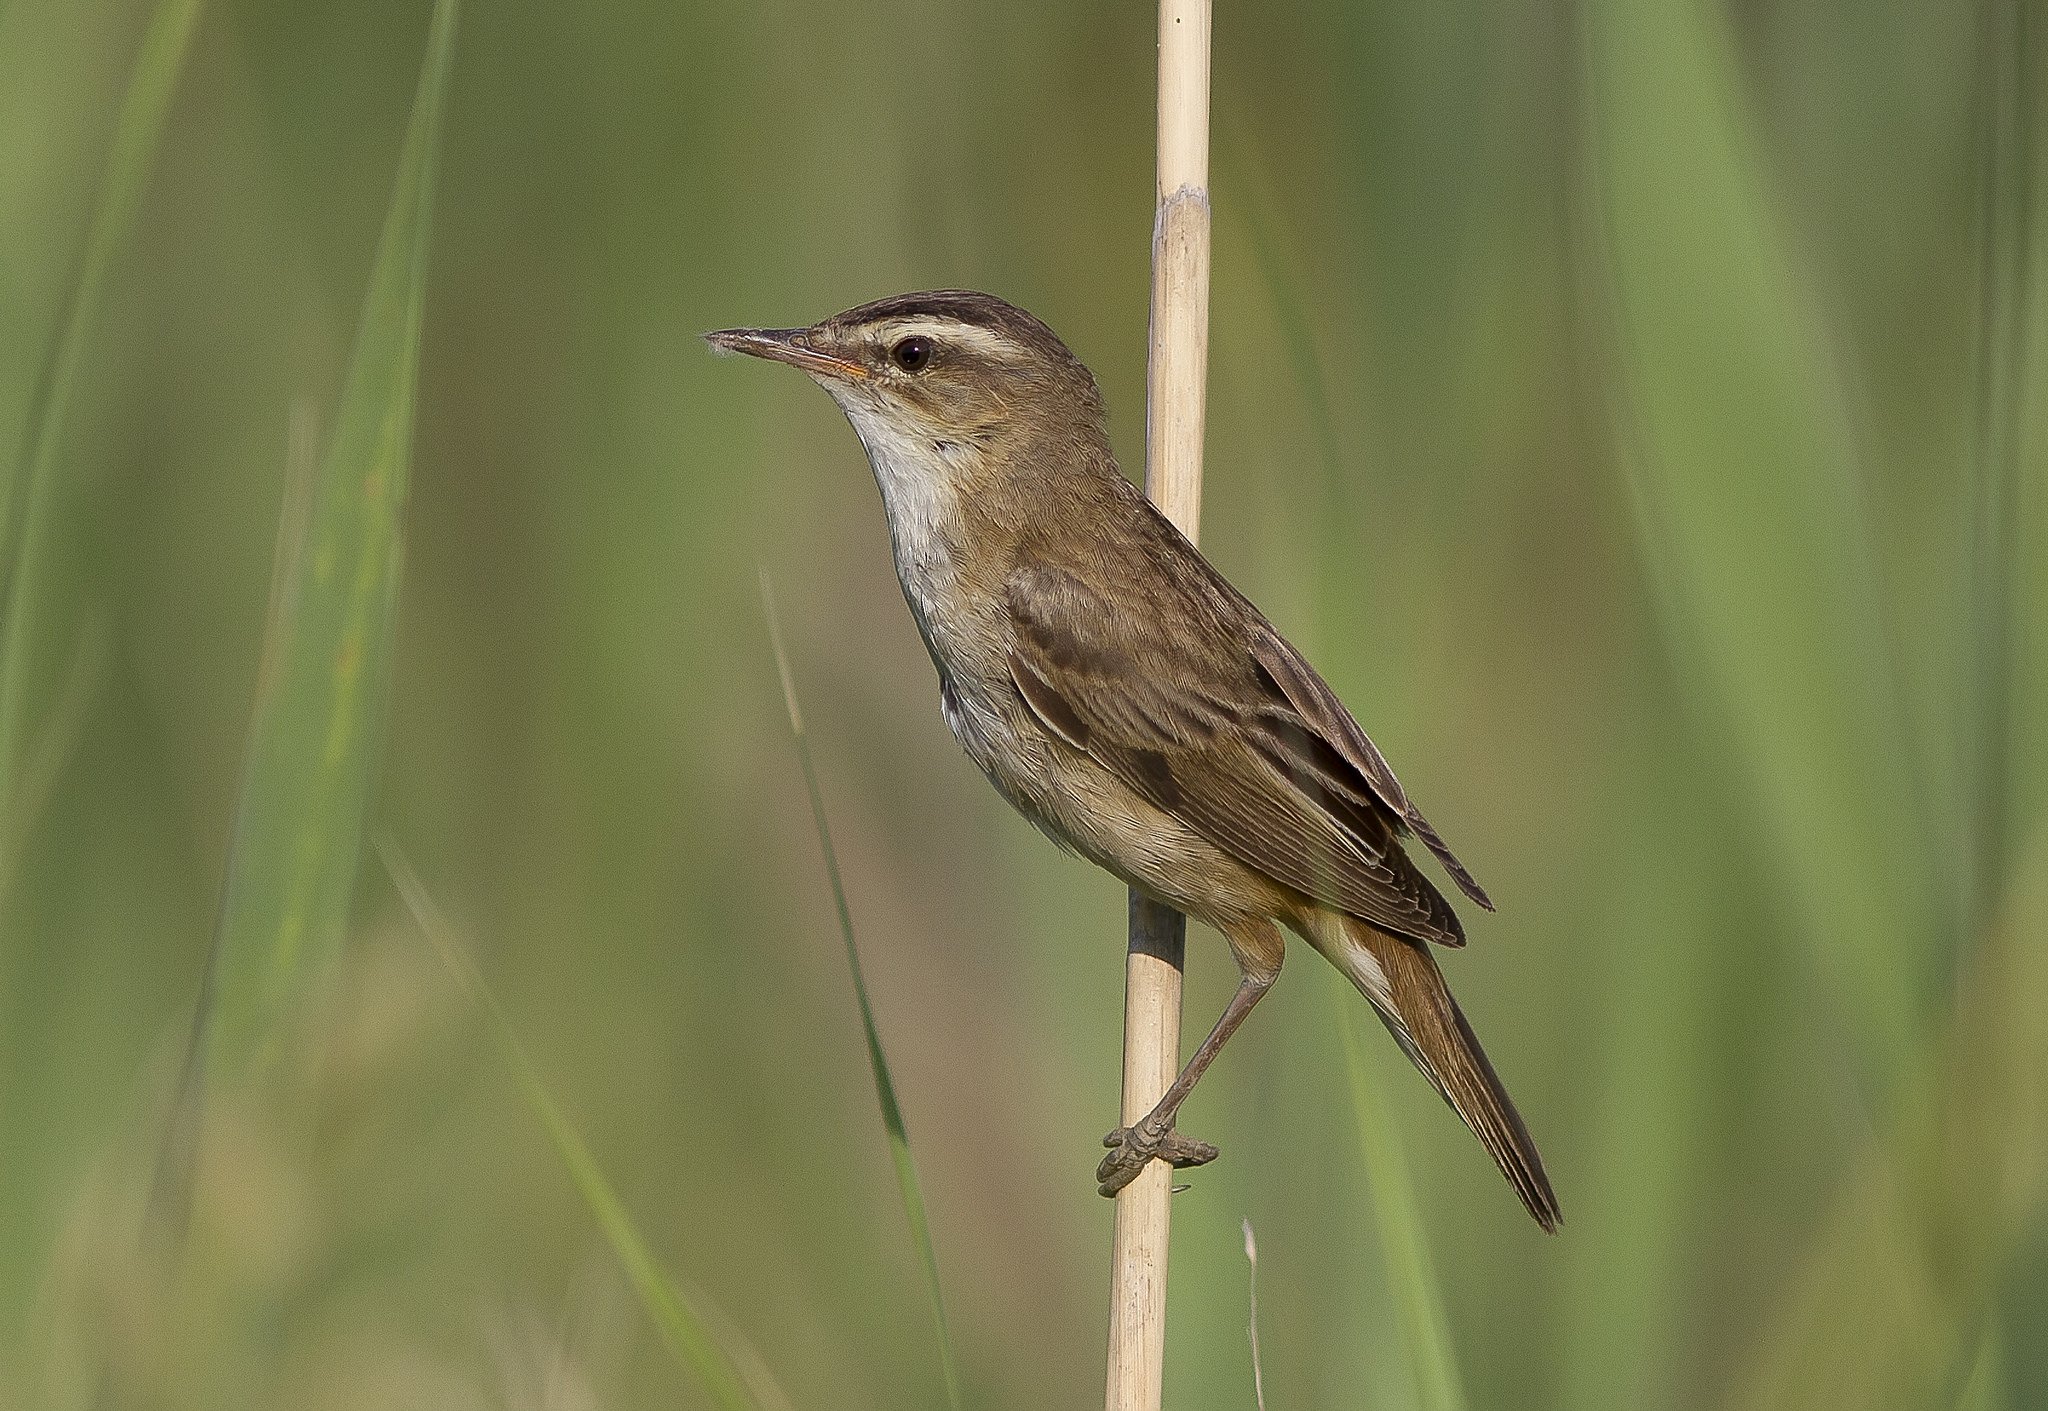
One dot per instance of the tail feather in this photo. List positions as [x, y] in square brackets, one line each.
[1408, 993]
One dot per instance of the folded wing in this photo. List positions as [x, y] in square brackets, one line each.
[1204, 724]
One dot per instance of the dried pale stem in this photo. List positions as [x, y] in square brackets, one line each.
[1178, 374]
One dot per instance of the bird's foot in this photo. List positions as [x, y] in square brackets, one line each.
[1131, 1147]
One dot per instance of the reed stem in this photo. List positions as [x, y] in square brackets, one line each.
[1176, 381]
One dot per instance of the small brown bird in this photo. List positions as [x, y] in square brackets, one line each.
[1130, 702]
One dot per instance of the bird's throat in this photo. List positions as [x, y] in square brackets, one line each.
[920, 483]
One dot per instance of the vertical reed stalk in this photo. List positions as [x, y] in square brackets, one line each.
[1177, 377]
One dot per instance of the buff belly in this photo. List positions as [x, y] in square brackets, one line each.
[1084, 807]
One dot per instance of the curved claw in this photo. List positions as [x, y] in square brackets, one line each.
[1132, 1147]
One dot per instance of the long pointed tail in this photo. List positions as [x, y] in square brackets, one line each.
[1409, 995]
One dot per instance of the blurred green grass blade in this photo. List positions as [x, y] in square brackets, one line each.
[1246, 168]
[42, 764]
[907, 1182]
[1985, 1389]
[1411, 1274]
[1425, 1331]
[686, 1331]
[1649, 967]
[25, 488]
[1749, 509]
[2009, 57]
[686, 1334]
[1891, 1305]
[314, 744]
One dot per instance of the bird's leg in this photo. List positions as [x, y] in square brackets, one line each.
[1153, 1134]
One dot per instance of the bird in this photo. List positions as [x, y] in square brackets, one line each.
[1126, 699]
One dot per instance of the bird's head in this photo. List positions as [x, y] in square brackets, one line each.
[949, 386]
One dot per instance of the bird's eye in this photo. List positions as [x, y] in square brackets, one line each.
[912, 354]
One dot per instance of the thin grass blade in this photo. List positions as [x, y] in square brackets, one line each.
[907, 1182]
[1251, 1325]
[1411, 1273]
[25, 483]
[315, 741]
[687, 1331]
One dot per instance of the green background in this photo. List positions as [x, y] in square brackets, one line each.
[1635, 407]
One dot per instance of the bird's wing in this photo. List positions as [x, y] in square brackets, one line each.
[1201, 729]
[1326, 716]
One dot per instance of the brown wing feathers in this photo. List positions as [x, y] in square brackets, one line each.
[1248, 768]
[1309, 694]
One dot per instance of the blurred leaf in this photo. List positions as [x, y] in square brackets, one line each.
[35, 777]
[1643, 1168]
[907, 1183]
[314, 745]
[1411, 1273]
[26, 478]
[1985, 1388]
[686, 1331]
[1749, 509]
[1993, 615]
[1893, 1300]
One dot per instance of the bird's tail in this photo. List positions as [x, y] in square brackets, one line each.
[1408, 993]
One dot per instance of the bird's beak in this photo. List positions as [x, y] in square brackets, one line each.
[784, 345]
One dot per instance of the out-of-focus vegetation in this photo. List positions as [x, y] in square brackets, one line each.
[1636, 408]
